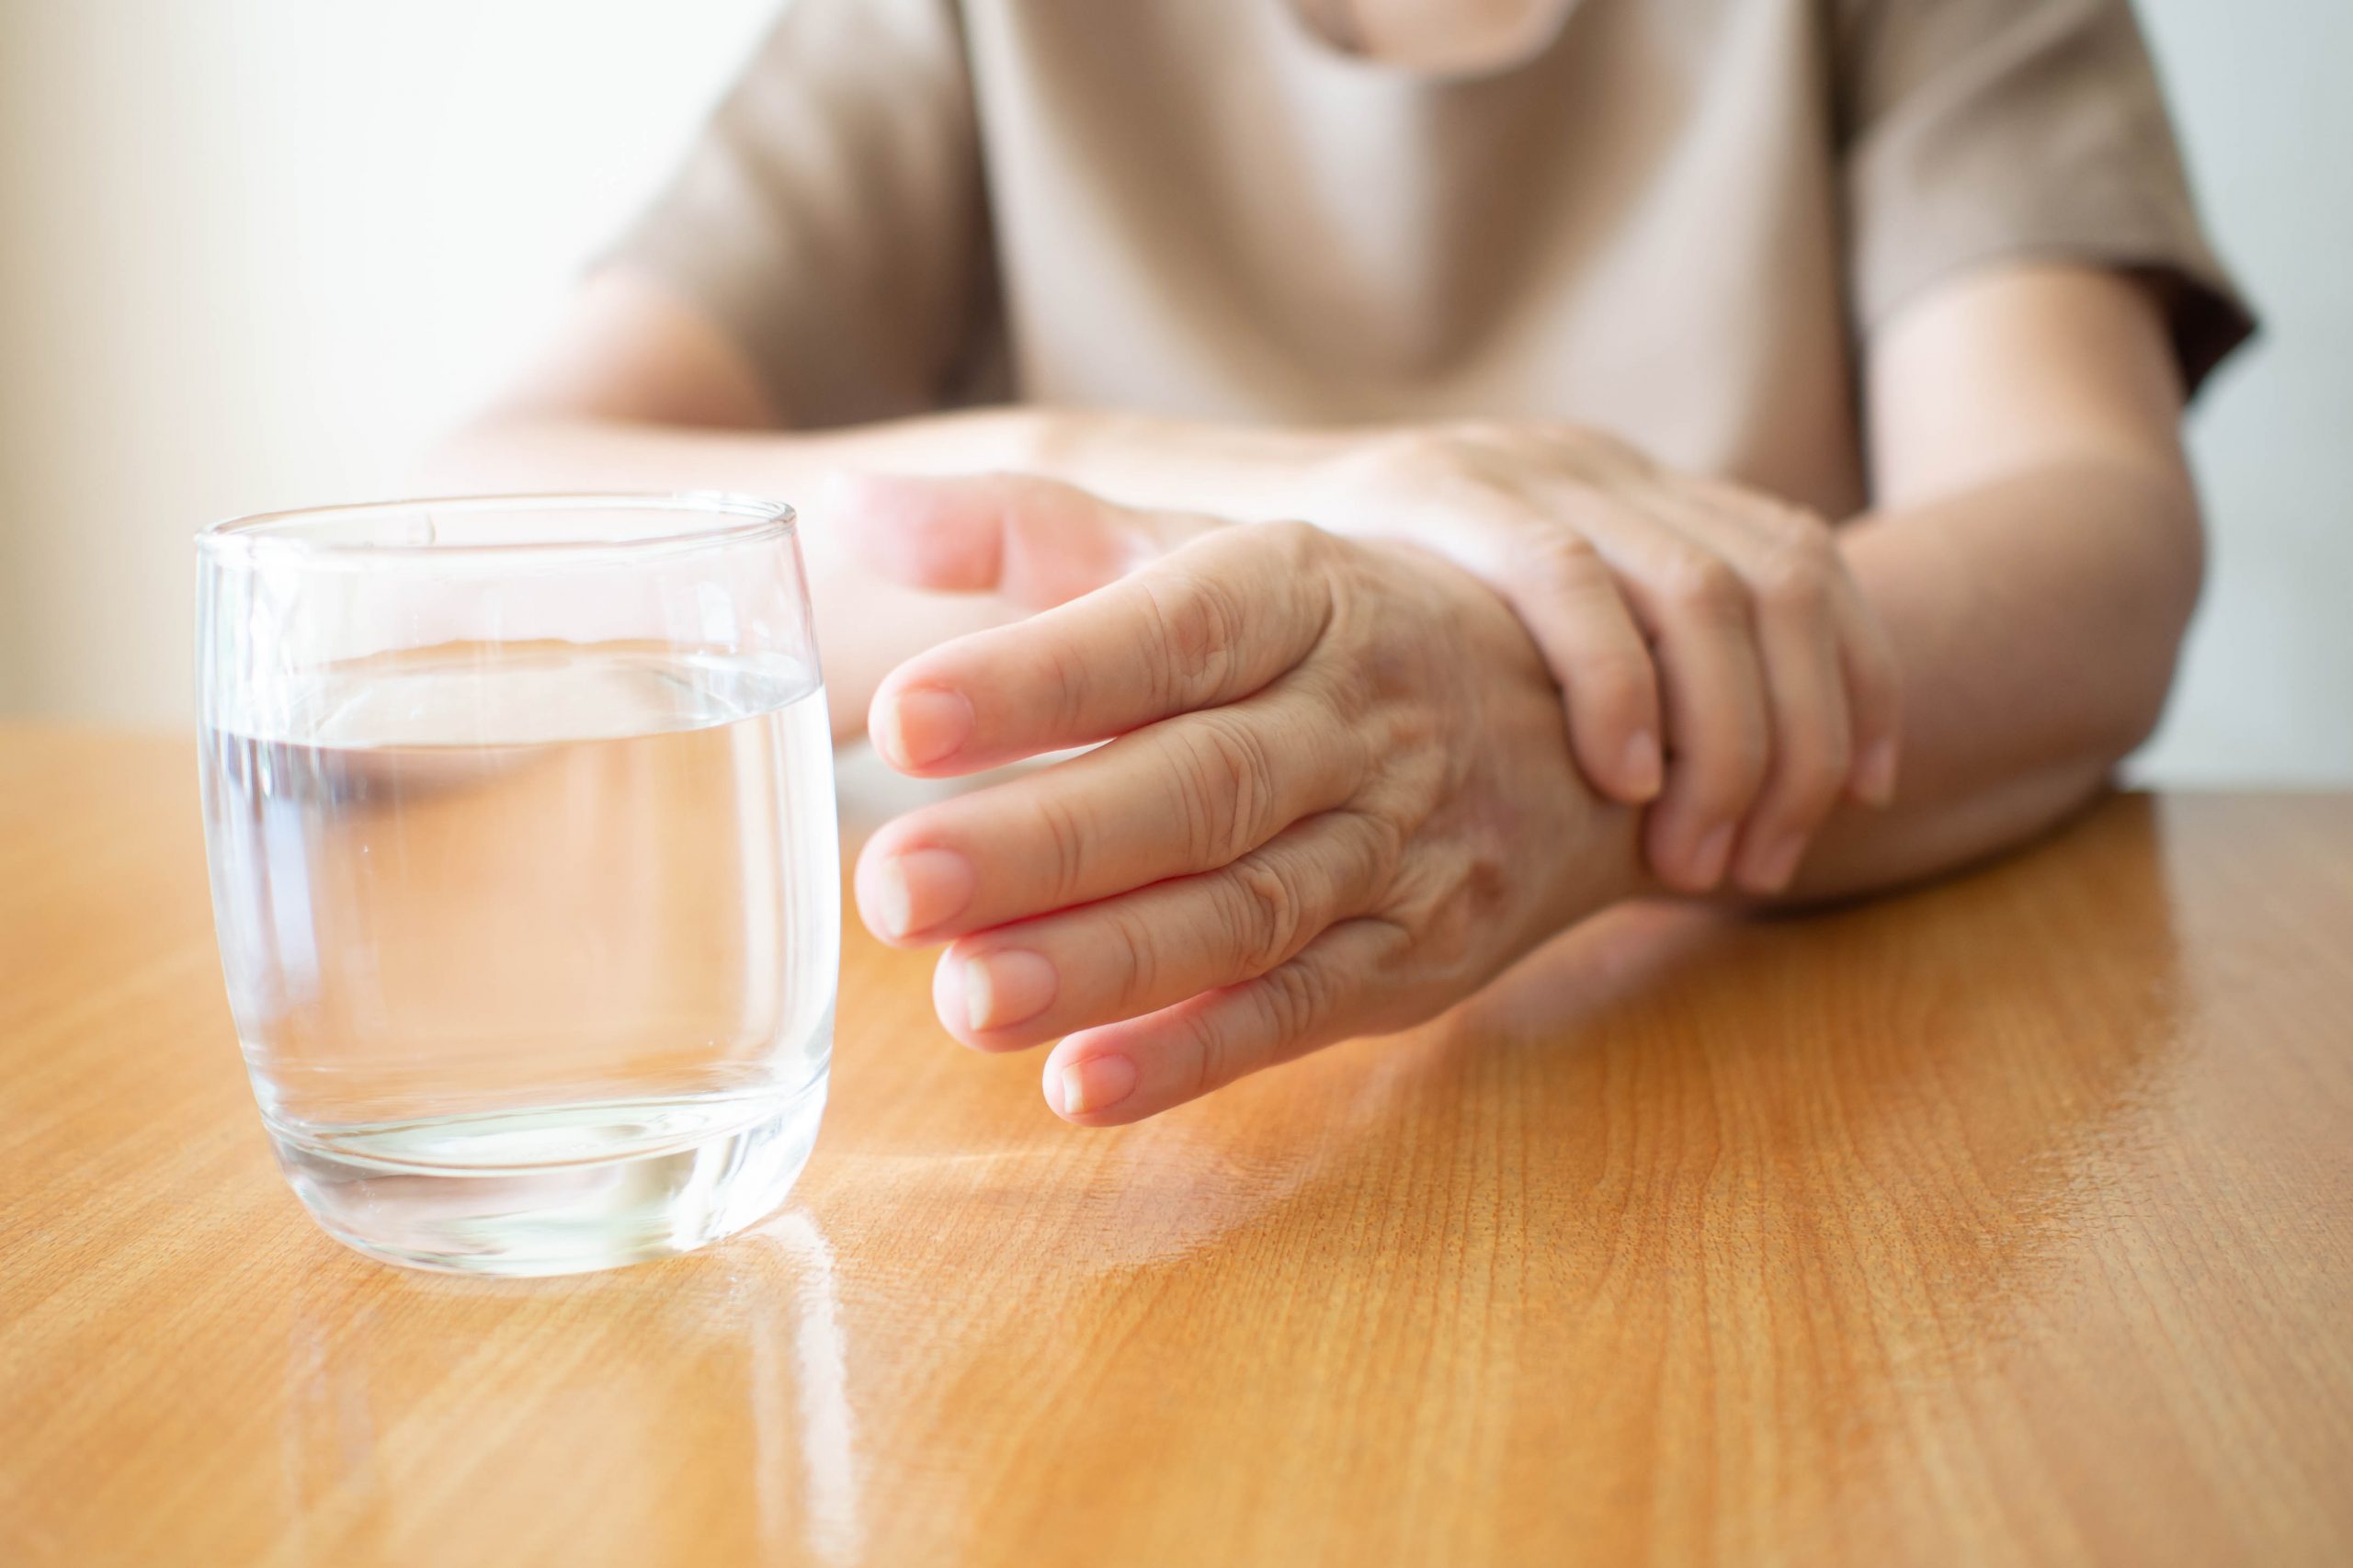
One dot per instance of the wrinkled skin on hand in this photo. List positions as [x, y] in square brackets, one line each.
[1337, 795]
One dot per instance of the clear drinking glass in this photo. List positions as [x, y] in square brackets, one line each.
[521, 815]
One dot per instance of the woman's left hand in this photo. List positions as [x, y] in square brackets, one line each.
[1675, 611]
[1338, 795]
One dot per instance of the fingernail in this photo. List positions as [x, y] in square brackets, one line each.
[1875, 780]
[923, 724]
[1708, 863]
[1778, 864]
[1097, 1083]
[1006, 987]
[1644, 766]
[917, 890]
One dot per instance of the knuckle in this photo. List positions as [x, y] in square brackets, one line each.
[1190, 629]
[1066, 682]
[1157, 636]
[1225, 789]
[1797, 573]
[1298, 998]
[1703, 587]
[1294, 542]
[1210, 1050]
[1451, 925]
[1064, 839]
[1336, 697]
[1380, 842]
[1136, 959]
[1563, 559]
[1796, 525]
[1268, 914]
[1294, 567]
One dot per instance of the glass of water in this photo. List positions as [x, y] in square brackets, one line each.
[520, 816]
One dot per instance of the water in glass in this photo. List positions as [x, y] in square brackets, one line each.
[532, 947]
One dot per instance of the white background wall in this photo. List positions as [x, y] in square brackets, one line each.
[2259, 87]
[254, 252]
[257, 252]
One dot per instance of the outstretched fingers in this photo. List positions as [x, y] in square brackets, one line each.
[1207, 625]
[1126, 1072]
[1017, 986]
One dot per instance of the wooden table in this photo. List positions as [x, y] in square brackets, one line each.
[2009, 1221]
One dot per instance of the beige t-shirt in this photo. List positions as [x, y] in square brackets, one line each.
[1673, 219]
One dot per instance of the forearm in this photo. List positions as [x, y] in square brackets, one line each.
[1254, 473]
[2038, 621]
[863, 621]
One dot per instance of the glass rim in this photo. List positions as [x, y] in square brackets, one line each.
[725, 517]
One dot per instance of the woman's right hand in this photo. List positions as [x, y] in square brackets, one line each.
[1337, 797]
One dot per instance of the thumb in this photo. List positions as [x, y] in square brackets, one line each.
[1032, 541]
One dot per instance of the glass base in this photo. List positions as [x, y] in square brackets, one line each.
[512, 1217]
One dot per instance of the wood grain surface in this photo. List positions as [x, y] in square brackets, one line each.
[2009, 1221]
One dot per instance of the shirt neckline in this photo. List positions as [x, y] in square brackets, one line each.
[1312, 33]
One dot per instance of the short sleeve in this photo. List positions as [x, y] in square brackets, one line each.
[830, 216]
[1982, 131]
